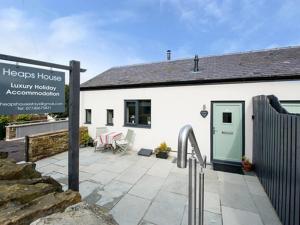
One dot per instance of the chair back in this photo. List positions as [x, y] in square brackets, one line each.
[101, 130]
[129, 136]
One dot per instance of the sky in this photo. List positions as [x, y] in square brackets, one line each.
[105, 33]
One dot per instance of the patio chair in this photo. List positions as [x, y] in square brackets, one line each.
[99, 131]
[123, 145]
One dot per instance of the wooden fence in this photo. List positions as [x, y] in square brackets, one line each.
[276, 156]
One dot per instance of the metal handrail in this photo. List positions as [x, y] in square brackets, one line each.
[187, 134]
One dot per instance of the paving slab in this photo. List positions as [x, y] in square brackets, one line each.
[231, 178]
[251, 178]
[161, 168]
[147, 187]
[119, 166]
[256, 188]
[60, 156]
[161, 213]
[236, 196]
[132, 174]
[112, 193]
[103, 177]
[45, 162]
[266, 210]
[211, 185]
[130, 210]
[177, 183]
[146, 162]
[63, 162]
[212, 202]
[239, 217]
[87, 187]
[53, 168]
[146, 223]
[94, 168]
[84, 176]
[209, 218]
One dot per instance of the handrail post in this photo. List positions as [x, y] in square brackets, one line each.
[192, 191]
[201, 197]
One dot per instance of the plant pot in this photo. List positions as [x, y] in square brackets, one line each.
[162, 155]
[91, 144]
[247, 167]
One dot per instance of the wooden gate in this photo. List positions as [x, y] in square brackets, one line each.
[276, 156]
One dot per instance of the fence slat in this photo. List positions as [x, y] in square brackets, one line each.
[288, 169]
[297, 194]
[293, 170]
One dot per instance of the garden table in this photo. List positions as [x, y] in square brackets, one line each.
[108, 139]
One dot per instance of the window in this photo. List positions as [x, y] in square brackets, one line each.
[110, 117]
[138, 113]
[88, 116]
[227, 117]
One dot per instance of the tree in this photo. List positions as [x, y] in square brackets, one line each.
[64, 114]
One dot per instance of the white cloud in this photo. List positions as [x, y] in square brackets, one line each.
[199, 11]
[79, 37]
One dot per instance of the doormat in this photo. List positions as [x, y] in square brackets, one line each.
[228, 168]
[145, 152]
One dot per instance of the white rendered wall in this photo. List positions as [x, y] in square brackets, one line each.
[174, 107]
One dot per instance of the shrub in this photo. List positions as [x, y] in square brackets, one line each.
[163, 147]
[24, 117]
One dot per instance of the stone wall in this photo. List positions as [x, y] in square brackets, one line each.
[48, 144]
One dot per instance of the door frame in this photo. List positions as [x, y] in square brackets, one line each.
[211, 131]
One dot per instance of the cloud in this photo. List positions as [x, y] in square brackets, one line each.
[199, 11]
[79, 37]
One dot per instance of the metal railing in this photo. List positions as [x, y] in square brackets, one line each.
[187, 134]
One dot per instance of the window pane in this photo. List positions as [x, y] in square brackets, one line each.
[130, 112]
[110, 116]
[88, 115]
[145, 112]
[227, 117]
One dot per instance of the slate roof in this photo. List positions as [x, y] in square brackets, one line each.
[274, 64]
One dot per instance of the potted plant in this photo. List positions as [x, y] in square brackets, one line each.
[85, 139]
[162, 151]
[247, 165]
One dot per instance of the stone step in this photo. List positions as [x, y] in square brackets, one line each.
[9, 170]
[14, 214]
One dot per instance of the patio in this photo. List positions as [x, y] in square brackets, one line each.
[148, 191]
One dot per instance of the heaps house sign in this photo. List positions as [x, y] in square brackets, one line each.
[30, 90]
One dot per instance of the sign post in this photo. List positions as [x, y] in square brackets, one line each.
[74, 99]
[32, 90]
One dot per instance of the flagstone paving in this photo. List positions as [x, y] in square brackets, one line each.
[148, 191]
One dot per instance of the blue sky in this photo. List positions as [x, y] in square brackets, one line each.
[106, 33]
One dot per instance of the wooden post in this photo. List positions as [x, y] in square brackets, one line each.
[74, 99]
[26, 153]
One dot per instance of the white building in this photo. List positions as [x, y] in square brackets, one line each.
[157, 99]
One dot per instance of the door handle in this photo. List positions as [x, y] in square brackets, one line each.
[226, 132]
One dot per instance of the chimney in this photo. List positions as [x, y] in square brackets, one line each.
[196, 63]
[168, 55]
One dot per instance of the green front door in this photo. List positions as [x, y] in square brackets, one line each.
[227, 131]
